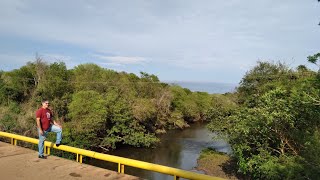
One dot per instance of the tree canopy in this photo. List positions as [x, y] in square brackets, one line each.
[274, 129]
[99, 108]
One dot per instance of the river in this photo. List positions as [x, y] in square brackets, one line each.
[178, 148]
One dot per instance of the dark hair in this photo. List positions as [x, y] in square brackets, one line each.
[44, 100]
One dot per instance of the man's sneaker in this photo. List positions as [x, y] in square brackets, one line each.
[42, 157]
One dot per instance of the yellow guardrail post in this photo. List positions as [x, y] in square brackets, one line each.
[14, 141]
[79, 158]
[120, 168]
[176, 177]
[47, 150]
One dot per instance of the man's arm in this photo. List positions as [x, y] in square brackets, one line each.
[39, 126]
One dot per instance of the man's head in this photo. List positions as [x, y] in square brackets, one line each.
[45, 104]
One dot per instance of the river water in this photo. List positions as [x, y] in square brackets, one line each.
[178, 148]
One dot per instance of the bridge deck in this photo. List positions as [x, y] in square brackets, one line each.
[22, 163]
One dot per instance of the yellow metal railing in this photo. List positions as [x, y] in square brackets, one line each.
[122, 162]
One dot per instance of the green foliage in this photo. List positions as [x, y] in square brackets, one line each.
[8, 117]
[209, 151]
[123, 129]
[263, 77]
[144, 110]
[8, 123]
[272, 130]
[314, 59]
[203, 103]
[87, 76]
[193, 106]
[87, 110]
[105, 121]
[88, 114]
[56, 81]
[272, 121]
[18, 84]
[149, 86]
[99, 108]
[222, 106]
[148, 77]
[311, 156]
[3, 97]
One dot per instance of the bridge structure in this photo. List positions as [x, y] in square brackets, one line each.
[22, 163]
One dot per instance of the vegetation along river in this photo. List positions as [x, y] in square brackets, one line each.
[178, 148]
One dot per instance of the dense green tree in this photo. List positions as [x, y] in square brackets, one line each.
[277, 120]
[123, 128]
[144, 110]
[203, 102]
[18, 84]
[185, 102]
[56, 82]
[263, 77]
[222, 106]
[99, 108]
[88, 114]
[88, 77]
[314, 59]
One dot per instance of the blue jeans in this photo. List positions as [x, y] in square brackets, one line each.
[52, 128]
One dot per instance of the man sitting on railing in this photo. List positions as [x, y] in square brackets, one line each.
[46, 124]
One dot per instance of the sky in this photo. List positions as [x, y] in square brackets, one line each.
[177, 40]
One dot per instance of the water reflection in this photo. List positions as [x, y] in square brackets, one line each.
[178, 148]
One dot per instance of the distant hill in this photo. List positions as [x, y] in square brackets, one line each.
[210, 87]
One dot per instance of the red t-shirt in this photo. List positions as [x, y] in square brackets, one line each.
[45, 116]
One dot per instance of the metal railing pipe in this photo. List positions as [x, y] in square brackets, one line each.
[121, 161]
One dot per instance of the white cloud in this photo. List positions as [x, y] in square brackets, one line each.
[219, 35]
[121, 60]
[111, 64]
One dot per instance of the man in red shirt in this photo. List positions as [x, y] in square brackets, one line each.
[46, 124]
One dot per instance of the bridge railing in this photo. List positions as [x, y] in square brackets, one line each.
[122, 162]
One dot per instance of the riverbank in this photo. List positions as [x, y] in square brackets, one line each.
[216, 164]
[177, 149]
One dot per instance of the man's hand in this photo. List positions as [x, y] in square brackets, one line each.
[39, 126]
